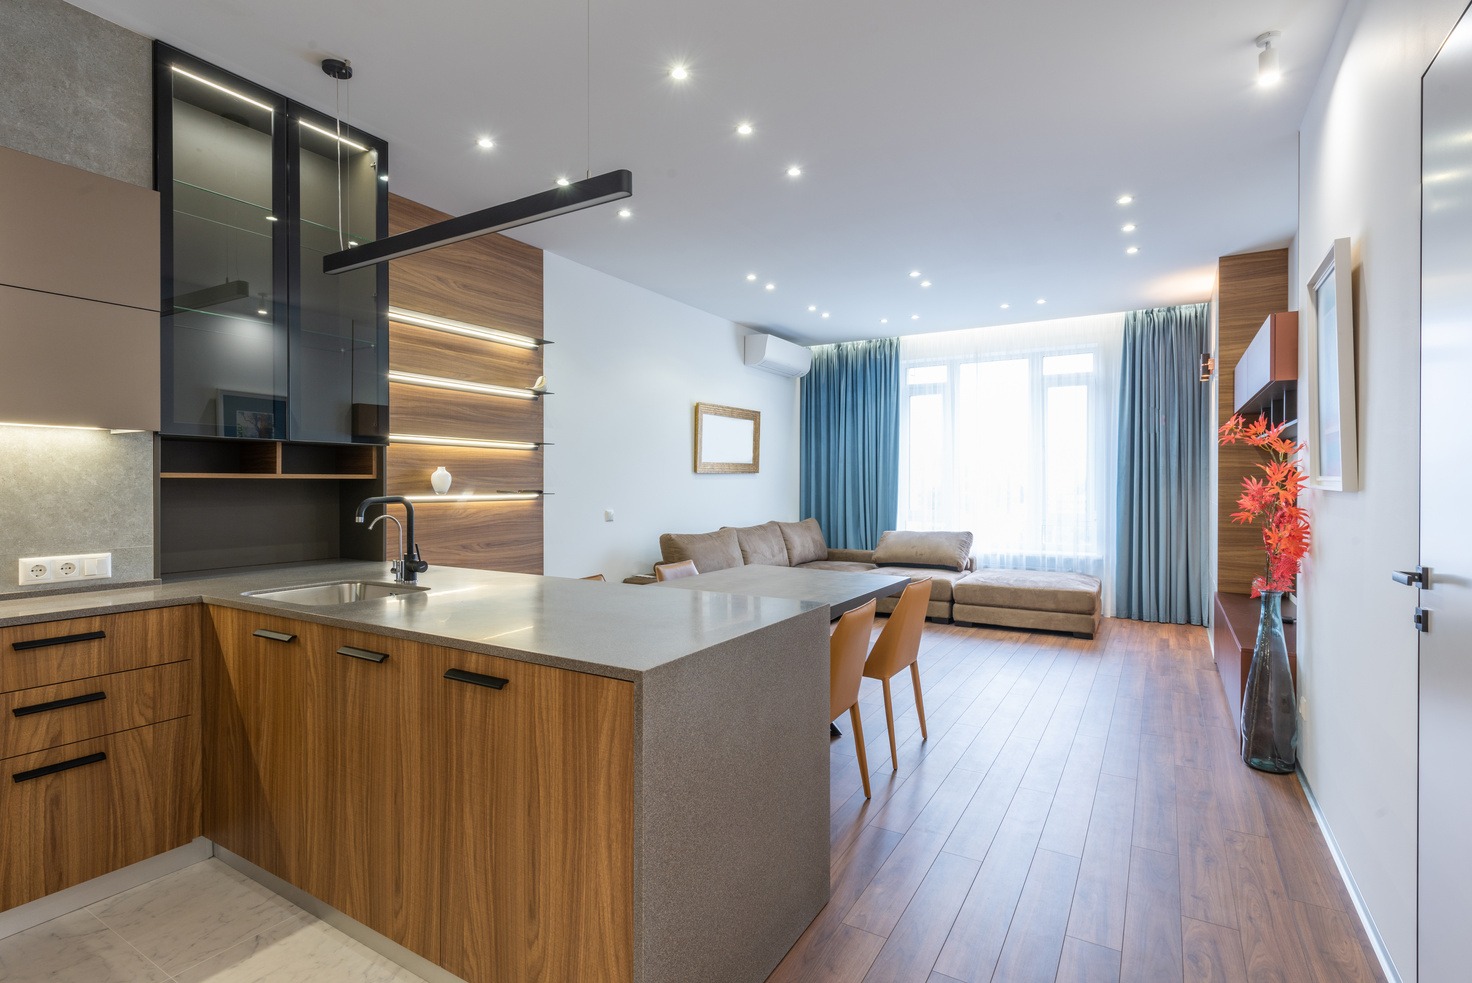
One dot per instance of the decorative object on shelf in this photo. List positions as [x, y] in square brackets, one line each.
[540, 386]
[440, 480]
[1269, 724]
[727, 440]
[1333, 441]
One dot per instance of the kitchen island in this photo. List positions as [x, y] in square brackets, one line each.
[514, 777]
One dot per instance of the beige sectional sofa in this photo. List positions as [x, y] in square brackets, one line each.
[945, 557]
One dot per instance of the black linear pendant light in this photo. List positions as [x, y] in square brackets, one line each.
[523, 211]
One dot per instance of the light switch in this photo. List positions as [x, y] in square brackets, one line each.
[90, 567]
[608, 515]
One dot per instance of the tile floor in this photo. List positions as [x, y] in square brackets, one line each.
[206, 922]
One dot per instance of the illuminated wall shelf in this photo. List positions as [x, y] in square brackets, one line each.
[235, 458]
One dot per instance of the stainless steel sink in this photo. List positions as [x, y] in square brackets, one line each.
[338, 592]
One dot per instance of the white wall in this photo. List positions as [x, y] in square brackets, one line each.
[1360, 177]
[626, 371]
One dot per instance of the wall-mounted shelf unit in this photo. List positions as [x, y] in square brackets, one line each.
[183, 458]
[1268, 369]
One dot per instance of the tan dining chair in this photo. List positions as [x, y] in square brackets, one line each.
[675, 570]
[598, 577]
[897, 647]
[846, 648]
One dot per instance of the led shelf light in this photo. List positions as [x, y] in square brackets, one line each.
[462, 328]
[459, 385]
[500, 445]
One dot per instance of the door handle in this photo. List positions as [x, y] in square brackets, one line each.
[1419, 577]
[60, 766]
[363, 654]
[275, 636]
[40, 643]
[71, 701]
[476, 678]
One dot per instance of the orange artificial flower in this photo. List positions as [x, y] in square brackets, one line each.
[1286, 535]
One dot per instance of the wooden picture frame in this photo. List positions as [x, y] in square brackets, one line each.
[1333, 434]
[721, 434]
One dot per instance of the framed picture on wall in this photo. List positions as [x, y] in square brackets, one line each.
[727, 440]
[1333, 437]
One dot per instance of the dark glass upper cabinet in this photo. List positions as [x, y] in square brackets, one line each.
[256, 341]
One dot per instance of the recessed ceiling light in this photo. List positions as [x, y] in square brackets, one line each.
[678, 73]
[563, 182]
[924, 283]
[1127, 227]
[1124, 199]
[884, 320]
[812, 307]
[1041, 301]
[744, 129]
[1132, 250]
[914, 273]
[485, 143]
[771, 286]
[1005, 306]
[794, 171]
[751, 276]
[825, 313]
[914, 317]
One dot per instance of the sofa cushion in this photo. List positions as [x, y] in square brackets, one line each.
[1034, 590]
[711, 551]
[804, 541]
[941, 581]
[843, 566]
[968, 614]
[762, 545]
[910, 548]
[852, 556]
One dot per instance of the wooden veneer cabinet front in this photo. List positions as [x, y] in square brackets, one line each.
[489, 830]
[99, 746]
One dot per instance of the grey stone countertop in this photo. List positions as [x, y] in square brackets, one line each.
[608, 629]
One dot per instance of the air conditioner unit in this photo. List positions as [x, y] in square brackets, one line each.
[764, 351]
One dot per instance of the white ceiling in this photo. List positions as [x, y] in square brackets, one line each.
[982, 143]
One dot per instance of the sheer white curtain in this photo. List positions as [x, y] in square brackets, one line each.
[1011, 432]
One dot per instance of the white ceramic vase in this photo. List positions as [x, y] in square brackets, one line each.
[440, 481]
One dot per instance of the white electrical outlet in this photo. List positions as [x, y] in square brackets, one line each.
[37, 570]
[608, 515]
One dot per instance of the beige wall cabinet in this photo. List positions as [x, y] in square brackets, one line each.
[99, 748]
[79, 297]
[478, 811]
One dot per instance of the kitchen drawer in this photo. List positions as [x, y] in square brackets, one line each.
[113, 801]
[48, 716]
[61, 651]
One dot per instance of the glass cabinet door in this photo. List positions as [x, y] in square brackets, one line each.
[339, 325]
[224, 351]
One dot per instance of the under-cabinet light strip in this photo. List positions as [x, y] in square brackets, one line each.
[434, 382]
[462, 328]
[500, 445]
[231, 92]
[329, 134]
[488, 497]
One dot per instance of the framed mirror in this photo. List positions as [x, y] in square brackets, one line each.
[727, 440]
[1333, 441]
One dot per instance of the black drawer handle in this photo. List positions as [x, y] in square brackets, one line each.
[86, 759]
[466, 676]
[275, 636]
[362, 654]
[40, 643]
[70, 701]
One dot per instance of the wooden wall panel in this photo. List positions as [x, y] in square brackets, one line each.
[1252, 286]
[495, 282]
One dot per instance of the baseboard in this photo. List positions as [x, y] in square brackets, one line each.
[81, 895]
[1387, 965]
[351, 927]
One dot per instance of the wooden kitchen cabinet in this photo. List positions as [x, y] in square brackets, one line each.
[487, 829]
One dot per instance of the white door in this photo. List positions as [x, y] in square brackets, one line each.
[1445, 593]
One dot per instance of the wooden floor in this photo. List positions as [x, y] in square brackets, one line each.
[1078, 814]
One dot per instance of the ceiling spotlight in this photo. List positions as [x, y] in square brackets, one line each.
[914, 317]
[884, 320]
[1124, 199]
[1268, 72]
[1127, 227]
[485, 143]
[1041, 301]
[1132, 250]
[924, 283]
[771, 286]
[744, 129]
[825, 313]
[812, 307]
[751, 276]
[794, 171]
[914, 273]
[624, 213]
[1005, 306]
[679, 74]
[563, 182]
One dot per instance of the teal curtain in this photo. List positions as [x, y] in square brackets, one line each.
[850, 441]
[1165, 448]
